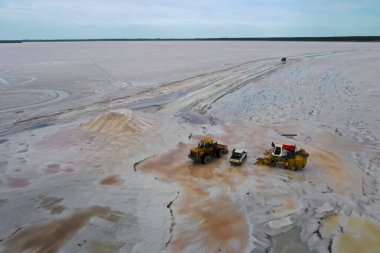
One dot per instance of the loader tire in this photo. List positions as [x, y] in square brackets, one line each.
[206, 159]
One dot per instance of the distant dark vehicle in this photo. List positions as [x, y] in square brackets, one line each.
[283, 59]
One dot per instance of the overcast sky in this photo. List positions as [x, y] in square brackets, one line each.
[85, 19]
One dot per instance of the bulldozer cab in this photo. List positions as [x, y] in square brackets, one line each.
[277, 150]
[281, 150]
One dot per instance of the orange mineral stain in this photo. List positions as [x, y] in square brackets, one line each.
[213, 221]
[345, 180]
[111, 181]
[51, 237]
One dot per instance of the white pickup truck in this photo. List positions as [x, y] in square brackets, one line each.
[238, 156]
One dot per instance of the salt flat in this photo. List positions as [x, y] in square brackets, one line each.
[95, 137]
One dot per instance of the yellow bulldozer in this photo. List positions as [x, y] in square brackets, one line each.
[207, 149]
[284, 156]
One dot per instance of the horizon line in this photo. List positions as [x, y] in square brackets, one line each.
[350, 38]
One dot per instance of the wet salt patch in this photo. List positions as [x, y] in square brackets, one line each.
[18, 183]
[290, 242]
[3, 141]
[2, 202]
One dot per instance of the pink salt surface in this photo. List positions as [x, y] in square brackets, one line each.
[69, 170]
[65, 138]
[52, 168]
[18, 182]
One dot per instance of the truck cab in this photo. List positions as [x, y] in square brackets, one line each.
[238, 156]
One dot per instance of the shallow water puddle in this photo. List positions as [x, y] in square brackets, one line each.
[290, 242]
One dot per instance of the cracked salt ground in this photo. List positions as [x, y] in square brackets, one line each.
[112, 164]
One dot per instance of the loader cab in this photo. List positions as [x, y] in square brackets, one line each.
[206, 142]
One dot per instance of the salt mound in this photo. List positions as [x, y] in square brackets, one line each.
[118, 121]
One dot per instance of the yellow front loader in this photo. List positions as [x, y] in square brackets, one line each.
[207, 149]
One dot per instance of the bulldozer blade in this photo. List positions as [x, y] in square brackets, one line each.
[262, 161]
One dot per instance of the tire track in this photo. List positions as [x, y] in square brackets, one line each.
[58, 96]
[209, 87]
